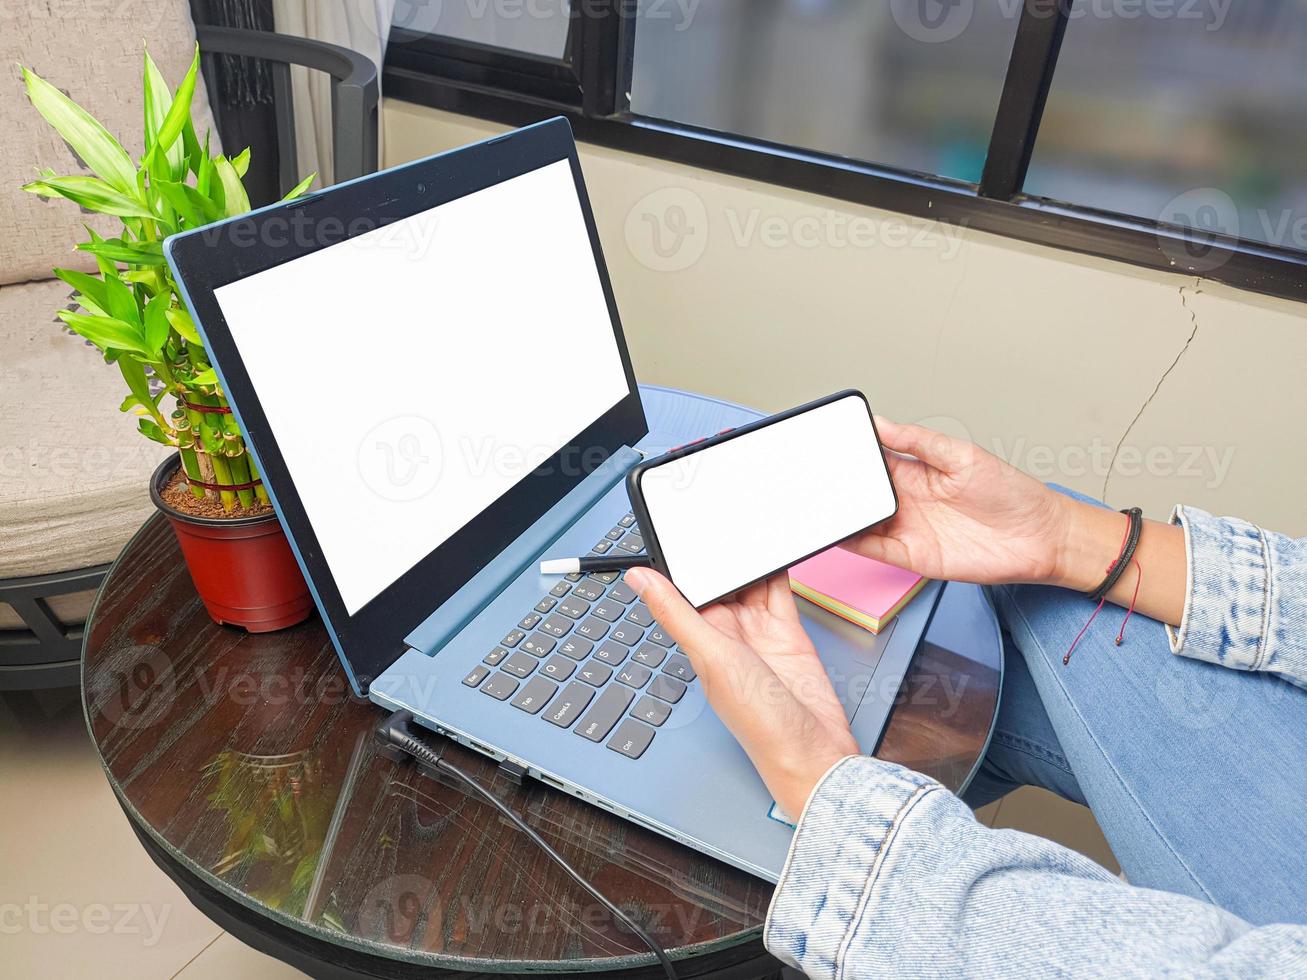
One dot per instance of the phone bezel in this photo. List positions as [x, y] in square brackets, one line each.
[649, 532]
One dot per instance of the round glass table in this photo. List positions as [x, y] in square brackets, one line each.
[249, 772]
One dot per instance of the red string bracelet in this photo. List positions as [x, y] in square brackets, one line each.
[1139, 579]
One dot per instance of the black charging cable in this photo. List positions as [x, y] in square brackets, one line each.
[396, 731]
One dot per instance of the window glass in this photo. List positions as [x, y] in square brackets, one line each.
[536, 27]
[1194, 113]
[913, 84]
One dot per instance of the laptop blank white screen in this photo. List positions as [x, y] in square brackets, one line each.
[414, 374]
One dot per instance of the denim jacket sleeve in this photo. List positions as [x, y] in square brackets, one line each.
[891, 875]
[1246, 601]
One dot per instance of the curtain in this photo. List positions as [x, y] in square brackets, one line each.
[362, 25]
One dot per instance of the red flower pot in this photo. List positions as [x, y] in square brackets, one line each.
[242, 567]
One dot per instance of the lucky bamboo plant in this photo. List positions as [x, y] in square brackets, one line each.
[132, 310]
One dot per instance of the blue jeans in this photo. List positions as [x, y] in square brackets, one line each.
[1197, 774]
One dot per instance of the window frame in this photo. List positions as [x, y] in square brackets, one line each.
[590, 85]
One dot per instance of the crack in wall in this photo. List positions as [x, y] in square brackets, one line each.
[1193, 319]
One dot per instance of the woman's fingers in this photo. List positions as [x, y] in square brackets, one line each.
[932, 448]
[673, 612]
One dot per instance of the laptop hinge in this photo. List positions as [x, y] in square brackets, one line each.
[465, 604]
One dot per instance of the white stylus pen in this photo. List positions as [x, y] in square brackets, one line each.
[571, 566]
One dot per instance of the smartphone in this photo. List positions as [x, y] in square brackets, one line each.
[728, 511]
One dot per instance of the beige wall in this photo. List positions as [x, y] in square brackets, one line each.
[776, 297]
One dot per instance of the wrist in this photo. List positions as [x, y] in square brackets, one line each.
[1091, 541]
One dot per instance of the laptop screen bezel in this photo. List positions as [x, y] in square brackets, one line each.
[204, 260]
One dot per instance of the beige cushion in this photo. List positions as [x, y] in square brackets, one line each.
[74, 471]
[92, 51]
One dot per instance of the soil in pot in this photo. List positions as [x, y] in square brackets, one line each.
[177, 495]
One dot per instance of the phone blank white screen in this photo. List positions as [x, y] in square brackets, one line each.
[415, 374]
[731, 514]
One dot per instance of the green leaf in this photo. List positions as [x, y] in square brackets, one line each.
[106, 332]
[191, 146]
[133, 253]
[158, 100]
[80, 130]
[89, 306]
[180, 110]
[137, 383]
[181, 322]
[301, 187]
[106, 266]
[91, 193]
[156, 321]
[193, 206]
[91, 287]
[205, 378]
[150, 429]
[122, 301]
[242, 162]
[235, 201]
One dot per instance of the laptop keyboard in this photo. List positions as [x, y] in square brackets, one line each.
[589, 657]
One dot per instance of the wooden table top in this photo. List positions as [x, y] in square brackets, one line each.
[248, 765]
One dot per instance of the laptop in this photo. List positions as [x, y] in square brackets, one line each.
[430, 370]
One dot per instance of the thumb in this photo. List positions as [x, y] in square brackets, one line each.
[673, 612]
[932, 448]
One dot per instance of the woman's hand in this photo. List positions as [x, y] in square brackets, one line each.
[966, 515]
[762, 676]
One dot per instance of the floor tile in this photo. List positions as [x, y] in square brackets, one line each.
[228, 957]
[79, 897]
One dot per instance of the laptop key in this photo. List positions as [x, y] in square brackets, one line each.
[561, 589]
[659, 635]
[627, 521]
[540, 645]
[668, 688]
[576, 647]
[601, 718]
[568, 706]
[573, 576]
[500, 687]
[513, 638]
[495, 656]
[535, 695]
[611, 653]
[602, 547]
[475, 678]
[632, 544]
[594, 673]
[588, 590]
[529, 621]
[652, 710]
[633, 675]
[558, 668]
[573, 608]
[556, 625]
[546, 604]
[628, 634]
[623, 593]
[650, 655]
[640, 615]
[680, 668]
[631, 739]
[519, 665]
[593, 629]
[608, 611]
[616, 533]
[608, 578]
